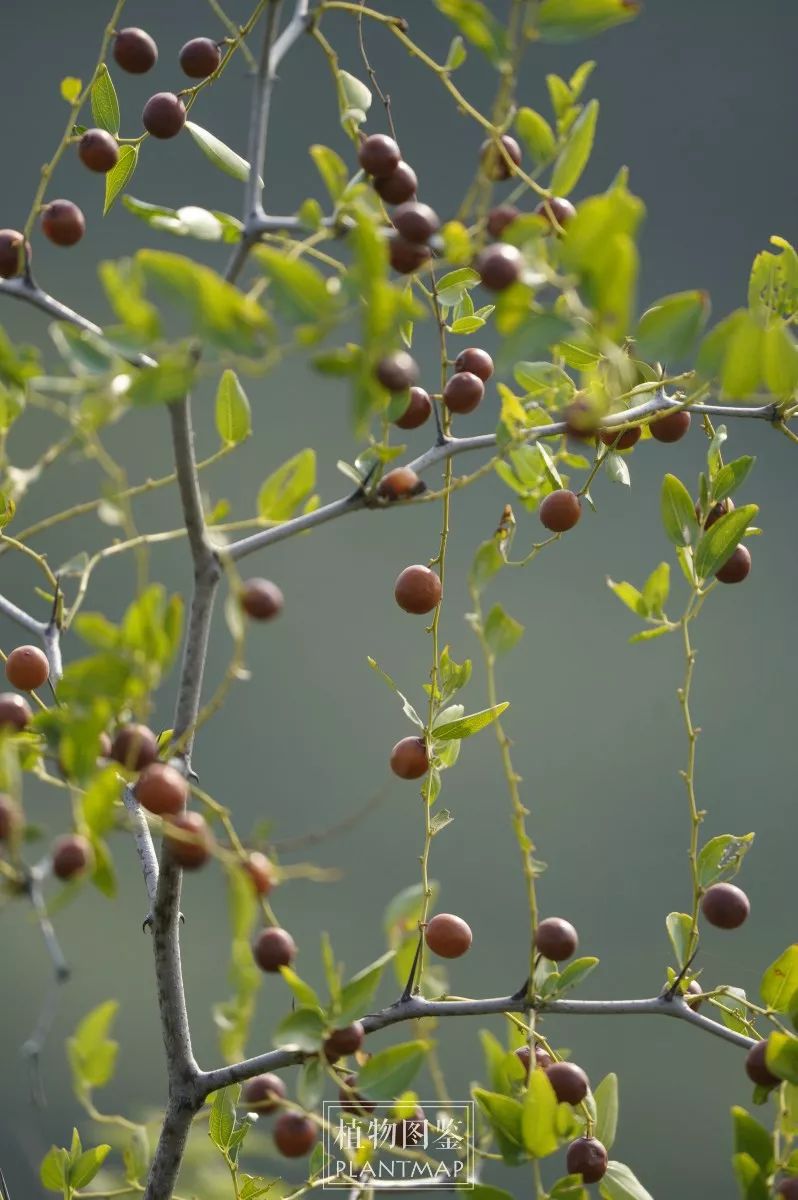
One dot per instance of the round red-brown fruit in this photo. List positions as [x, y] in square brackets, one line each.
[399, 483]
[557, 209]
[787, 1189]
[737, 567]
[263, 1093]
[261, 872]
[200, 57]
[692, 991]
[104, 745]
[581, 420]
[397, 187]
[189, 840]
[756, 1067]
[716, 512]
[10, 819]
[274, 948]
[478, 362]
[500, 218]
[725, 906]
[98, 150]
[161, 789]
[416, 222]
[463, 392]
[343, 1041]
[417, 589]
[135, 51]
[556, 939]
[448, 936]
[27, 668]
[164, 115]
[15, 712]
[586, 1156]
[379, 155]
[261, 599]
[418, 410]
[409, 759]
[621, 441]
[494, 163]
[542, 1059]
[560, 510]
[499, 266]
[397, 371]
[294, 1135]
[407, 257]
[672, 427]
[135, 747]
[11, 261]
[569, 1081]
[63, 222]
[350, 1100]
[71, 856]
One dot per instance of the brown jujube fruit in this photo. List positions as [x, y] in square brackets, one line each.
[379, 155]
[397, 371]
[630, 437]
[756, 1067]
[263, 1093]
[261, 872]
[397, 187]
[63, 222]
[71, 856]
[15, 712]
[274, 948]
[294, 1135]
[556, 939]
[569, 1081]
[498, 266]
[787, 1189]
[135, 747]
[419, 409]
[716, 512]
[478, 362]
[500, 218]
[559, 208]
[560, 510]
[725, 906]
[164, 115]
[350, 1100]
[542, 1059]
[10, 258]
[672, 427]
[409, 758]
[398, 483]
[448, 936]
[494, 164]
[417, 589]
[161, 789]
[98, 150]
[200, 57]
[27, 668]
[737, 567]
[406, 257]
[693, 989]
[135, 51]
[463, 392]
[261, 599]
[193, 849]
[416, 222]
[343, 1041]
[586, 1156]
[10, 818]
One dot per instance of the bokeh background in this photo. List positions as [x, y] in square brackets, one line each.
[696, 100]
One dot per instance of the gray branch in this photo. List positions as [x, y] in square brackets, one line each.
[48, 634]
[144, 843]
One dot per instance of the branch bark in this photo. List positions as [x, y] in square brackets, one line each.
[48, 633]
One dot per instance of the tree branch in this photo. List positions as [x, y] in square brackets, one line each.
[144, 843]
[49, 634]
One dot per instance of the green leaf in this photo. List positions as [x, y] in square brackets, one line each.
[92, 1054]
[669, 329]
[457, 54]
[71, 88]
[782, 1056]
[574, 156]
[780, 981]
[87, 1166]
[477, 25]
[734, 1013]
[570, 20]
[218, 153]
[606, 1100]
[620, 1184]
[630, 596]
[356, 95]
[120, 175]
[310, 1083]
[574, 974]
[222, 1117]
[678, 512]
[54, 1168]
[104, 104]
[779, 360]
[752, 1138]
[170, 380]
[467, 726]
[303, 1029]
[545, 382]
[332, 169]
[718, 543]
[721, 857]
[389, 1072]
[233, 416]
[750, 1178]
[288, 488]
[502, 631]
[731, 476]
[7, 509]
[656, 589]
[503, 1112]
[536, 134]
[300, 290]
[305, 994]
[487, 561]
[358, 993]
[679, 926]
[539, 1116]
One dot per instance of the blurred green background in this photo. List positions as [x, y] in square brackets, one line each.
[694, 98]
